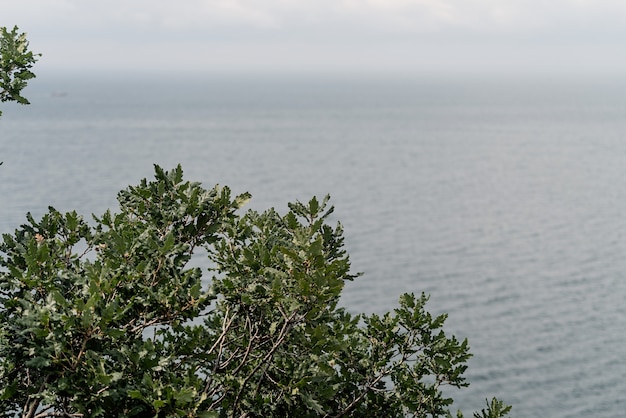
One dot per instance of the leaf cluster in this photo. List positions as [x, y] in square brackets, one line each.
[15, 63]
[110, 318]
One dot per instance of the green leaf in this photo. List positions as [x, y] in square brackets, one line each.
[313, 207]
[135, 394]
[312, 403]
[38, 362]
[184, 395]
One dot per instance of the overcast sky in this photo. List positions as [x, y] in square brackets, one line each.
[325, 36]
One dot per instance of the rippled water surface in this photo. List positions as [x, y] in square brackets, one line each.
[504, 200]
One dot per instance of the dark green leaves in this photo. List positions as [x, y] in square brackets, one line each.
[494, 409]
[111, 319]
[15, 64]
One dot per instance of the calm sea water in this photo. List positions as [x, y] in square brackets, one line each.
[504, 200]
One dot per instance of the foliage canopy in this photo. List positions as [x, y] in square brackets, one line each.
[110, 318]
[15, 64]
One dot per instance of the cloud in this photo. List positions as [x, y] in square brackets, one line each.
[278, 13]
[391, 15]
[323, 33]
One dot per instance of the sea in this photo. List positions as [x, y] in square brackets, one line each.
[503, 198]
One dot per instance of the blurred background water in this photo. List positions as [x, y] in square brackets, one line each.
[504, 200]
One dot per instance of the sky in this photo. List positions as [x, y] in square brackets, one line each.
[324, 36]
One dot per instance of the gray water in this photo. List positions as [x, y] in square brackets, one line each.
[505, 200]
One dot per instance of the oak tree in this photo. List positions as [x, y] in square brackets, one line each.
[113, 317]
